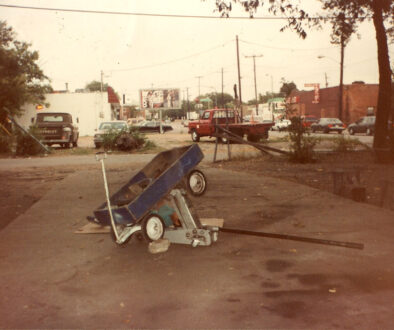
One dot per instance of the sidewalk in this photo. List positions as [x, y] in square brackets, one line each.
[53, 278]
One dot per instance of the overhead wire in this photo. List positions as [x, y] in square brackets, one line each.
[171, 61]
[86, 11]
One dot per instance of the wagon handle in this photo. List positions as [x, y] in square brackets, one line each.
[100, 156]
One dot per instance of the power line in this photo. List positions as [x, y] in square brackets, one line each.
[171, 61]
[283, 48]
[85, 11]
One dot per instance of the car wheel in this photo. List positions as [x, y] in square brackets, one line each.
[195, 136]
[253, 138]
[196, 183]
[313, 130]
[153, 227]
[97, 145]
[326, 131]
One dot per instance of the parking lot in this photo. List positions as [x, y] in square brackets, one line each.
[52, 277]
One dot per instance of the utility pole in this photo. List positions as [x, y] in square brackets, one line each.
[222, 91]
[255, 83]
[341, 77]
[325, 75]
[101, 86]
[199, 93]
[239, 81]
[188, 108]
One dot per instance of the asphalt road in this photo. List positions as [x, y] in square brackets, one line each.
[54, 278]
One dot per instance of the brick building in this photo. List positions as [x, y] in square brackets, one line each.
[356, 99]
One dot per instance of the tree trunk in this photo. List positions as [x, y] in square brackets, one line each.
[381, 141]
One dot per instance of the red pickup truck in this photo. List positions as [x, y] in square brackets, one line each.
[205, 126]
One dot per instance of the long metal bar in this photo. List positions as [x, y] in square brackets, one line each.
[259, 146]
[26, 132]
[293, 238]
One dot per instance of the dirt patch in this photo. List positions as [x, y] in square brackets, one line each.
[19, 190]
[375, 178]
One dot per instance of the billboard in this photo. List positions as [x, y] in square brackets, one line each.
[160, 98]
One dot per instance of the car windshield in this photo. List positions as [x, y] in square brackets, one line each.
[52, 118]
[333, 120]
[310, 119]
[109, 126]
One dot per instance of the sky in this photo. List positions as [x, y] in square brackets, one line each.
[134, 52]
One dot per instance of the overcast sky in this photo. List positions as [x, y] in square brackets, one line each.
[137, 52]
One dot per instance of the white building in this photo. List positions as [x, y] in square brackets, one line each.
[89, 108]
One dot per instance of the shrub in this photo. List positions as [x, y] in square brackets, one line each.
[125, 140]
[301, 143]
[26, 145]
[343, 144]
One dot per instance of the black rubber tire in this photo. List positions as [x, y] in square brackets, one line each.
[195, 136]
[201, 182]
[153, 234]
[97, 145]
[253, 138]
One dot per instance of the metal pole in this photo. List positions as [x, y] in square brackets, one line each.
[26, 132]
[255, 83]
[100, 156]
[341, 78]
[239, 81]
[293, 238]
[222, 91]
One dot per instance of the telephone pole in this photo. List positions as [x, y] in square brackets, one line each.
[222, 91]
[239, 81]
[255, 83]
[199, 77]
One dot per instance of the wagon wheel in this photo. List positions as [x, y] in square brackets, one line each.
[196, 183]
[153, 227]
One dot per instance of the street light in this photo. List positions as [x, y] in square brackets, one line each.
[340, 82]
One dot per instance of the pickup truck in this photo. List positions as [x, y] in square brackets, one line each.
[205, 126]
[57, 128]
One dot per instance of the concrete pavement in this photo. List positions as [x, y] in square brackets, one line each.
[53, 278]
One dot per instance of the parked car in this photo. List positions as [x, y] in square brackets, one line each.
[363, 125]
[307, 121]
[153, 127]
[106, 127]
[57, 128]
[281, 125]
[327, 125]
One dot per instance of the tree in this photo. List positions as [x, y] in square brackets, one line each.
[344, 15]
[217, 99]
[95, 86]
[21, 79]
[287, 87]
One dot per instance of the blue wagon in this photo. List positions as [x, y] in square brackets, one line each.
[154, 201]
